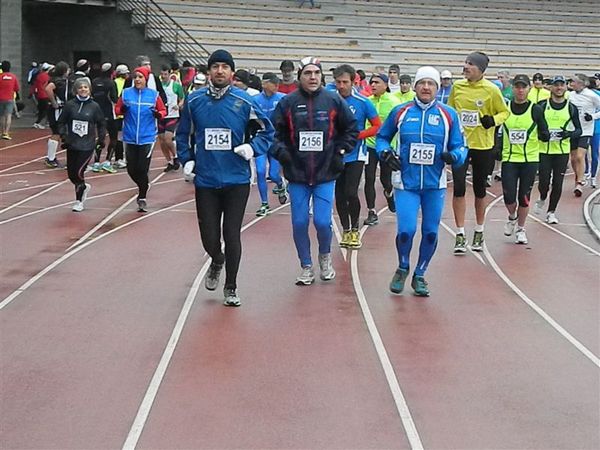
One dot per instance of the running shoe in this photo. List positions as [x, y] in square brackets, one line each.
[282, 195]
[389, 198]
[52, 164]
[96, 167]
[551, 218]
[509, 227]
[107, 167]
[521, 236]
[578, 191]
[176, 164]
[6, 136]
[371, 219]
[142, 205]
[121, 164]
[77, 206]
[39, 126]
[497, 177]
[169, 168]
[278, 188]
[346, 237]
[477, 245]
[86, 191]
[419, 285]
[263, 210]
[593, 182]
[211, 281]
[397, 283]
[538, 207]
[231, 297]
[488, 181]
[306, 277]
[460, 245]
[326, 267]
[355, 242]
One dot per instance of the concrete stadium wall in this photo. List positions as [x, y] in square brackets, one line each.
[10, 34]
[55, 32]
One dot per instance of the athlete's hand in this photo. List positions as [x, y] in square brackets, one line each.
[245, 151]
[588, 117]
[391, 160]
[448, 157]
[284, 157]
[487, 122]
[188, 171]
[155, 113]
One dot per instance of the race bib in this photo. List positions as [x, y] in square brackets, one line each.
[79, 127]
[469, 118]
[555, 135]
[517, 137]
[311, 141]
[422, 154]
[217, 139]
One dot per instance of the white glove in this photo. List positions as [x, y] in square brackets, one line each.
[245, 151]
[188, 171]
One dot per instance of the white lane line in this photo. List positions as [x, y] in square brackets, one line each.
[390, 375]
[578, 345]
[31, 197]
[29, 162]
[110, 216]
[66, 256]
[24, 143]
[28, 172]
[92, 197]
[28, 188]
[144, 410]
[586, 214]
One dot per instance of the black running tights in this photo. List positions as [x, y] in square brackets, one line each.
[346, 194]
[385, 176]
[228, 203]
[77, 161]
[138, 163]
[552, 167]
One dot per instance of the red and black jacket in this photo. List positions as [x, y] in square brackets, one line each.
[313, 111]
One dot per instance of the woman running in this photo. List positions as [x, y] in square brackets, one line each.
[82, 128]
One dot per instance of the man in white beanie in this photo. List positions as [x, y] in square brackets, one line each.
[445, 87]
[429, 137]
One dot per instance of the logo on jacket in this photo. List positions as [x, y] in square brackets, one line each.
[479, 103]
[322, 116]
[433, 120]
[238, 104]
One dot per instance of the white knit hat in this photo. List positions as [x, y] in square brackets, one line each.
[427, 72]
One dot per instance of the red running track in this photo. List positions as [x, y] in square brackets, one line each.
[109, 339]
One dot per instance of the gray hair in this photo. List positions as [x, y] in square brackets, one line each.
[80, 82]
[140, 60]
[504, 72]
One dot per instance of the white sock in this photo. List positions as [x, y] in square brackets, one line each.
[52, 147]
[479, 228]
[512, 217]
[460, 230]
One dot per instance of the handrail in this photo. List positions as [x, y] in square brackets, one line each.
[182, 44]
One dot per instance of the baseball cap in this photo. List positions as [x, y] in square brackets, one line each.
[81, 63]
[558, 79]
[122, 69]
[200, 78]
[381, 76]
[242, 75]
[270, 76]
[46, 66]
[445, 74]
[538, 77]
[106, 67]
[521, 79]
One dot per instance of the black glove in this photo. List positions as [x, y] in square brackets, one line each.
[391, 160]
[563, 134]
[487, 122]
[588, 117]
[284, 157]
[337, 161]
[155, 113]
[448, 157]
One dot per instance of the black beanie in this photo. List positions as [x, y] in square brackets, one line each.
[479, 59]
[222, 56]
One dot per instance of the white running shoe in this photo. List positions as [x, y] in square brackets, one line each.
[327, 271]
[593, 182]
[509, 227]
[306, 277]
[96, 167]
[86, 191]
[551, 218]
[77, 206]
[521, 236]
[538, 207]
[120, 164]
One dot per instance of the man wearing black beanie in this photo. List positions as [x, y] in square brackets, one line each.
[481, 108]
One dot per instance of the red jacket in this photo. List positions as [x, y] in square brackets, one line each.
[39, 85]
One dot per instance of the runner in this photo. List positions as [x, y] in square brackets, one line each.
[429, 137]
[288, 82]
[446, 87]
[59, 92]
[405, 94]
[104, 92]
[522, 133]
[394, 78]
[121, 77]
[588, 105]
[561, 116]
[384, 101]
[268, 100]
[9, 88]
[314, 128]
[346, 187]
[82, 128]
[219, 115]
[166, 127]
[595, 145]
[41, 97]
[141, 107]
[506, 89]
[481, 108]
[538, 92]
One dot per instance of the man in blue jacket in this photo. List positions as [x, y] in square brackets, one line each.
[429, 137]
[220, 115]
[314, 128]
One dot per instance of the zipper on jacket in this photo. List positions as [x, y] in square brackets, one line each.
[139, 109]
[312, 156]
[422, 130]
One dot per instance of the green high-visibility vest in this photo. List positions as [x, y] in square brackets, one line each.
[520, 139]
[558, 120]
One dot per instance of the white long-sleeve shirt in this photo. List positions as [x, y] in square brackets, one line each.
[586, 102]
